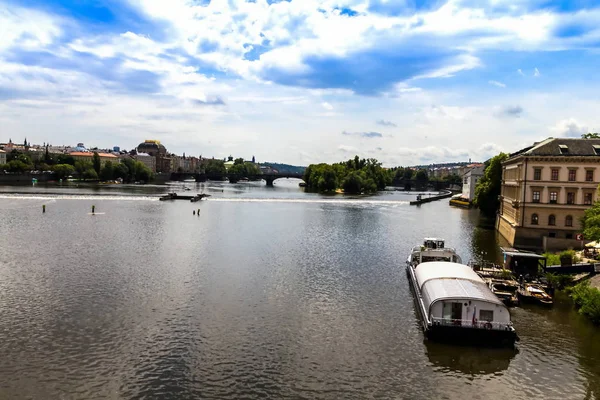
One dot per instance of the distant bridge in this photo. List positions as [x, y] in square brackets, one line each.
[269, 178]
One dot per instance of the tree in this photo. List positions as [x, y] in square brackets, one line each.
[63, 171]
[96, 163]
[90, 174]
[238, 161]
[591, 222]
[107, 171]
[18, 166]
[83, 165]
[65, 159]
[489, 186]
[421, 176]
[408, 174]
[590, 135]
[215, 167]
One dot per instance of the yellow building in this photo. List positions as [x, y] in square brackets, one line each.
[88, 156]
[545, 190]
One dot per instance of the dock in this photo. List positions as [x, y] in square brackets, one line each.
[444, 194]
[192, 198]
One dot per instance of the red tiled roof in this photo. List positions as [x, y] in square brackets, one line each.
[82, 154]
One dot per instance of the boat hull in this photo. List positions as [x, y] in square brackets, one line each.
[528, 299]
[458, 334]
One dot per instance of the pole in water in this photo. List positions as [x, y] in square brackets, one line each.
[43, 208]
[194, 212]
[198, 212]
[93, 209]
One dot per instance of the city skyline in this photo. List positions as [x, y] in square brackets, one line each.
[301, 82]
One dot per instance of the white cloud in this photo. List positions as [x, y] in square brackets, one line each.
[496, 83]
[569, 128]
[520, 72]
[326, 105]
[536, 72]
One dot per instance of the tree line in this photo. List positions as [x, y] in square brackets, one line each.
[65, 165]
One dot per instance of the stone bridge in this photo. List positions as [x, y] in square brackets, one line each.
[269, 178]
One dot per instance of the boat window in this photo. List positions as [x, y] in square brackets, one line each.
[457, 310]
[486, 315]
[440, 244]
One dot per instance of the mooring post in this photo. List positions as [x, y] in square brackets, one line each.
[194, 212]
[93, 209]
[43, 208]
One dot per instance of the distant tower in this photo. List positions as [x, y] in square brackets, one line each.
[253, 160]
[469, 160]
[230, 158]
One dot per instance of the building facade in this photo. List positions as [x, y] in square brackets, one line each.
[147, 160]
[546, 189]
[89, 156]
[470, 179]
[2, 157]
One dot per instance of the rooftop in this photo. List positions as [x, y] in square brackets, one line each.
[561, 147]
[89, 154]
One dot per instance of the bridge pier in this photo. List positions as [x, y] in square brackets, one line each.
[269, 180]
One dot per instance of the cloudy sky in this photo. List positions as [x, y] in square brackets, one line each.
[301, 81]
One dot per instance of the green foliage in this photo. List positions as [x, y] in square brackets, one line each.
[96, 162]
[17, 165]
[552, 259]
[422, 176]
[215, 167]
[238, 161]
[244, 169]
[489, 186]
[83, 165]
[586, 300]
[590, 135]
[591, 222]
[107, 172]
[90, 174]
[65, 159]
[453, 179]
[354, 176]
[63, 171]
[559, 281]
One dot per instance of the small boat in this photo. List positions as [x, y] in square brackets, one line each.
[432, 249]
[456, 305]
[186, 188]
[534, 293]
[505, 290]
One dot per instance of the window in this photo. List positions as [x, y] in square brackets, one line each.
[587, 198]
[465, 180]
[537, 174]
[589, 175]
[486, 315]
[554, 174]
[569, 220]
[570, 197]
[569, 236]
[596, 149]
[534, 219]
[551, 220]
[553, 197]
[572, 175]
[564, 149]
[552, 234]
[536, 196]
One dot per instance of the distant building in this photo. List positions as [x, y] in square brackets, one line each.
[88, 156]
[116, 149]
[147, 160]
[2, 157]
[546, 189]
[155, 149]
[470, 179]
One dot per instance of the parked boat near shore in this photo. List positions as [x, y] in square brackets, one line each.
[505, 290]
[534, 293]
[432, 249]
[455, 304]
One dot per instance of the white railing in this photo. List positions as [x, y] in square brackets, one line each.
[491, 325]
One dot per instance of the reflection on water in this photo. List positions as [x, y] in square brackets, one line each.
[467, 359]
[270, 292]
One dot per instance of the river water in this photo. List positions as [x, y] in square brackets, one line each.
[268, 293]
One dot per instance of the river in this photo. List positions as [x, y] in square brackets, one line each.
[268, 293]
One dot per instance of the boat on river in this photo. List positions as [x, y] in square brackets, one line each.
[534, 293]
[456, 305]
[505, 290]
[432, 249]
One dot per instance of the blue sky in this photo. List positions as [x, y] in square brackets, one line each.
[301, 81]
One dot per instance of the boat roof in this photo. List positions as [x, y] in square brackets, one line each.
[440, 280]
[444, 270]
[520, 253]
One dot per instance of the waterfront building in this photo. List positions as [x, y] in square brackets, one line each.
[229, 163]
[2, 157]
[88, 156]
[147, 160]
[546, 188]
[473, 174]
[157, 150]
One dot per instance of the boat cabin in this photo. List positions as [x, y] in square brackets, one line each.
[432, 249]
[523, 263]
[433, 243]
[453, 294]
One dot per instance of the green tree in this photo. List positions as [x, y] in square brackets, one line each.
[107, 171]
[90, 174]
[120, 170]
[215, 167]
[421, 176]
[489, 186]
[65, 159]
[590, 135]
[97, 164]
[18, 166]
[408, 174]
[238, 161]
[591, 222]
[83, 165]
[63, 171]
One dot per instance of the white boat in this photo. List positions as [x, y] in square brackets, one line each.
[432, 249]
[456, 305]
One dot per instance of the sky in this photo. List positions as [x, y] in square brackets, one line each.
[303, 81]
